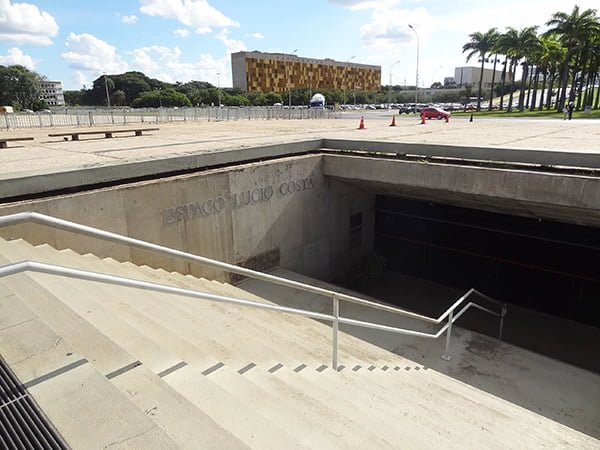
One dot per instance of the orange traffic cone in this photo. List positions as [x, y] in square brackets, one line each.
[361, 126]
[393, 124]
[422, 119]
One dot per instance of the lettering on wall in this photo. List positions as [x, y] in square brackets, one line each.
[215, 205]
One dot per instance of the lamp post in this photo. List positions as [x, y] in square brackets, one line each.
[219, 87]
[288, 83]
[346, 76]
[390, 88]
[417, 80]
[159, 98]
[107, 96]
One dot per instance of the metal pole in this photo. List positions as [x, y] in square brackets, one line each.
[335, 326]
[446, 356]
[504, 308]
[106, 87]
[390, 88]
[346, 76]
[219, 88]
[417, 80]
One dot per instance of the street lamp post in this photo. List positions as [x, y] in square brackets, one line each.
[417, 80]
[219, 87]
[288, 83]
[107, 96]
[390, 88]
[346, 76]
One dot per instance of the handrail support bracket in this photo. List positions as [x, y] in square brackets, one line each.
[446, 356]
[335, 328]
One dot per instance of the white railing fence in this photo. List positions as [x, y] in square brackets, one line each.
[89, 117]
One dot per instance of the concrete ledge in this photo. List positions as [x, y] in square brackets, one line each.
[41, 182]
[556, 158]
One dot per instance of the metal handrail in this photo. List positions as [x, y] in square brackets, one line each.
[65, 225]
[336, 319]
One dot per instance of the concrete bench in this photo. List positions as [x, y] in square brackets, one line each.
[107, 133]
[3, 141]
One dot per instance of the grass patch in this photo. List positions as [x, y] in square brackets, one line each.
[595, 114]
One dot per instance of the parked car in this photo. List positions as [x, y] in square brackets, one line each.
[406, 109]
[434, 113]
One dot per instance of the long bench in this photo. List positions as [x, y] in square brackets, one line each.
[107, 133]
[3, 141]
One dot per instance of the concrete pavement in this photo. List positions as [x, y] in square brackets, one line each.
[47, 155]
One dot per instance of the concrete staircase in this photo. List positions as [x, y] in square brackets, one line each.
[119, 367]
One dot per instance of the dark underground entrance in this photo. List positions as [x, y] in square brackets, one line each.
[547, 272]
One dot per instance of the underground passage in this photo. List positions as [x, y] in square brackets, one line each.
[545, 271]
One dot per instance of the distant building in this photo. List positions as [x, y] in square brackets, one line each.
[278, 72]
[470, 75]
[52, 93]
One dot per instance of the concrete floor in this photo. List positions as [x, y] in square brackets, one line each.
[46, 154]
[559, 338]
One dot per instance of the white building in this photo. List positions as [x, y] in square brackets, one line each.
[470, 75]
[52, 93]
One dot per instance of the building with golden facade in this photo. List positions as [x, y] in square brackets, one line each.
[279, 72]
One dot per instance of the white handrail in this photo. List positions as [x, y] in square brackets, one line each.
[65, 225]
[336, 319]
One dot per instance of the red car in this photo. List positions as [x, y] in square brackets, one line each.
[434, 113]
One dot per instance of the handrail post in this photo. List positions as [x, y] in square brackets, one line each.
[446, 356]
[502, 314]
[335, 326]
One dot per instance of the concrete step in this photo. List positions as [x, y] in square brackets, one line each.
[356, 399]
[228, 325]
[102, 352]
[75, 397]
[185, 423]
[230, 412]
[290, 329]
[290, 405]
[277, 409]
[86, 298]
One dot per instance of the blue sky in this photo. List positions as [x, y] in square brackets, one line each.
[178, 40]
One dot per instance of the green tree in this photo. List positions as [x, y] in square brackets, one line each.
[167, 97]
[19, 87]
[480, 44]
[74, 98]
[273, 97]
[572, 30]
[119, 97]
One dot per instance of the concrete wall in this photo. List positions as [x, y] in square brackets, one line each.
[257, 213]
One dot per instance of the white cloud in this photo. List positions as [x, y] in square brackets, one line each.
[357, 5]
[164, 63]
[130, 20]
[181, 32]
[24, 23]
[257, 36]
[88, 53]
[16, 56]
[203, 30]
[389, 27]
[80, 79]
[231, 45]
[191, 13]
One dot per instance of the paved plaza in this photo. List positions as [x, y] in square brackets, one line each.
[47, 154]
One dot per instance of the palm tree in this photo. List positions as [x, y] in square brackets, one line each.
[482, 44]
[572, 30]
[527, 46]
[550, 58]
[509, 44]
